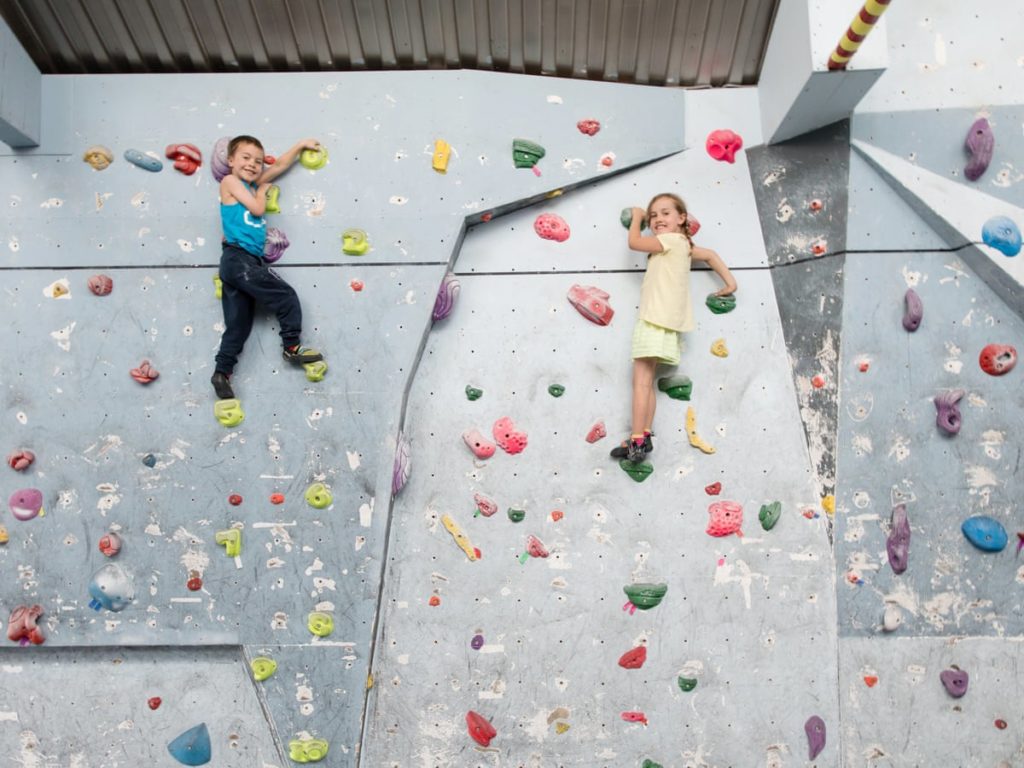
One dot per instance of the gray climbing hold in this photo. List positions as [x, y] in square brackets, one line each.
[898, 544]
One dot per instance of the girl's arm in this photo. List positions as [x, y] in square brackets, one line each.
[714, 261]
[233, 190]
[638, 242]
[282, 164]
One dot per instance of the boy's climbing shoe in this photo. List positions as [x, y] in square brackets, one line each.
[222, 386]
[302, 355]
[635, 452]
[620, 451]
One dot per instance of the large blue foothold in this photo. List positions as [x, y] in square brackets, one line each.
[192, 747]
[1003, 234]
[145, 162]
[985, 533]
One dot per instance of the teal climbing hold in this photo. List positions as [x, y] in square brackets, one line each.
[687, 684]
[192, 747]
[985, 533]
[676, 387]
[720, 305]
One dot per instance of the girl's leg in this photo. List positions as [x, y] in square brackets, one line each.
[643, 393]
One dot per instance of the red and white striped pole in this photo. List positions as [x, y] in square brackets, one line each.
[862, 23]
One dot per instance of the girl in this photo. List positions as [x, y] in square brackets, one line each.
[665, 310]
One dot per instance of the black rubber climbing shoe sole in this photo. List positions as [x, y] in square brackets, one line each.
[620, 451]
[222, 386]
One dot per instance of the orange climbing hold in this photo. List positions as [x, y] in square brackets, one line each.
[434, 601]
[277, 498]
[145, 373]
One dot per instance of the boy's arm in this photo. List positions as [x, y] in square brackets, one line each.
[283, 162]
[638, 242]
[714, 261]
[232, 188]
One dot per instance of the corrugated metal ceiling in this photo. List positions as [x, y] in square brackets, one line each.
[657, 42]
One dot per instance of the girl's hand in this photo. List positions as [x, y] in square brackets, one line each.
[725, 291]
[639, 214]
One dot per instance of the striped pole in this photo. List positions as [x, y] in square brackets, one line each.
[862, 23]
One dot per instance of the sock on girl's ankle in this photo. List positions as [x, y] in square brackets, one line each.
[647, 432]
[293, 348]
[637, 438]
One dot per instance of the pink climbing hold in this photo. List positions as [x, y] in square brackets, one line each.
[145, 373]
[596, 432]
[979, 144]
[535, 547]
[592, 303]
[723, 145]
[20, 460]
[997, 359]
[484, 505]
[506, 435]
[187, 157]
[692, 224]
[590, 127]
[478, 444]
[634, 717]
[551, 226]
[726, 519]
[100, 285]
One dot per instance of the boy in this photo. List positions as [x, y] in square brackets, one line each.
[246, 278]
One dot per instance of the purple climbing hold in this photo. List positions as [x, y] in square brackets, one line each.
[947, 415]
[400, 472]
[445, 301]
[275, 245]
[815, 730]
[954, 680]
[26, 503]
[219, 158]
[477, 642]
[914, 310]
[898, 543]
[979, 144]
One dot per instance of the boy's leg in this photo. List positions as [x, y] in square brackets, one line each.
[238, 307]
[270, 289]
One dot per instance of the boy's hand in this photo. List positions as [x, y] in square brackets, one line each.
[313, 144]
[263, 188]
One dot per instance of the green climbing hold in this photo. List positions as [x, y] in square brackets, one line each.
[307, 750]
[676, 387]
[262, 668]
[687, 684]
[320, 623]
[626, 217]
[472, 393]
[645, 596]
[526, 153]
[273, 204]
[318, 496]
[721, 304]
[769, 514]
[638, 472]
[650, 764]
[354, 242]
[516, 515]
[315, 371]
[314, 159]
[556, 390]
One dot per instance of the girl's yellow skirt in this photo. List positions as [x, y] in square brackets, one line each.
[654, 341]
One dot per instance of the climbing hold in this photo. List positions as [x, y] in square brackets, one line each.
[472, 393]
[480, 729]
[516, 515]
[315, 371]
[98, 156]
[955, 681]
[897, 545]
[275, 245]
[318, 496]
[691, 431]
[643, 596]
[551, 226]
[718, 348]
[534, 548]
[477, 642]
[596, 432]
[314, 159]
[234, 499]
[460, 538]
[100, 285]
[819, 247]
[608, 159]
[947, 415]
[892, 618]
[219, 158]
[403, 465]
[979, 144]
[556, 390]
[870, 680]
[639, 471]
[723, 145]
[626, 218]
[985, 533]
[442, 151]
[997, 359]
[561, 728]
[22, 627]
[218, 287]
[109, 544]
[145, 373]
[829, 505]
[634, 658]
[676, 387]
[815, 205]
[726, 518]
[277, 498]
[307, 750]
[4, 535]
[481, 447]
[187, 157]
[231, 540]
[506, 435]
[194, 583]
[769, 514]
[713, 490]
[634, 717]
[484, 505]
[446, 295]
[354, 242]
[149, 460]
[1003, 234]
[1001, 724]
[914, 310]
[356, 285]
[720, 305]
[815, 730]
[556, 515]
[687, 684]
[320, 623]
[526, 153]
[262, 668]
[192, 747]
[229, 412]
[650, 764]
[143, 161]
[590, 127]
[20, 460]
[154, 702]
[26, 503]
[434, 601]
[111, 588]
[592, 303]
[817, 381]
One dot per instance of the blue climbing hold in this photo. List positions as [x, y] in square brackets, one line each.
[985, 533]
[149, 460]
[140, 160]
[192, 747]
[1003, 234]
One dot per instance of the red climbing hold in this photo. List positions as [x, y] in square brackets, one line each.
[692, 225]
[234, 499]
[194, 584]
[997, 359]
[20, 460]
[480, 729]
[22, 627]
[726, 518]
[145, 373]
[592, 303]
[819, 247]
[551, 226]
[558, 515]
[1001, 724]
[723, 145]
[818, 381]
[110, 544]
[596, 432]
[277, 498]
[633, 659]
[484, 505]
[485, 217]
[154, 702]
[713, 490]
[356, 285]
[506, 435]
[870, 680]
[815, 205]
[535, 547]
[590, 127]
[634, 717]
[100, 285]
[187, 157]
[434, 601]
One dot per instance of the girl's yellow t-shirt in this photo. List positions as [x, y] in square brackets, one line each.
[665, 292]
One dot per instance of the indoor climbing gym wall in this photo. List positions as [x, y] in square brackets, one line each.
[421, 553]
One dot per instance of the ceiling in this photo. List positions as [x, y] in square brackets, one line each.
[656, 42]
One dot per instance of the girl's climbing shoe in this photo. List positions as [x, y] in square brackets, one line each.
[301, 355]
[621, 451]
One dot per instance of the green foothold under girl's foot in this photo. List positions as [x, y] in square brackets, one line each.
[638, 471]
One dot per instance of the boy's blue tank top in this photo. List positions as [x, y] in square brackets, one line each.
[243, 229]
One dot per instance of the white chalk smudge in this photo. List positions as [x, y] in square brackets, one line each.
[554, 99]
[63, 336]
[726, 573]
[353, 460]
[52, 202]
[366, 513]
[911, 278]
[398, 200]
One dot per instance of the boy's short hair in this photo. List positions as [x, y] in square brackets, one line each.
[243, 139]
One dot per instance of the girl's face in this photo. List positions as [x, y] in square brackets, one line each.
[663, 216]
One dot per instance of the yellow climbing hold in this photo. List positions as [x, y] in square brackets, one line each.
[218, 287]
[315, 371]
[691, 430]
[441, 152]
[369, 681]
[829, 504]
[231, 540]
[718, 348]
[553, 193]
[460, 538]
[561, 727]
[229, 412]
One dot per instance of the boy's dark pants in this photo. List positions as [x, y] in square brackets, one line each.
[248, 281]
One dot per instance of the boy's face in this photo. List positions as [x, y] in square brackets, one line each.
[247, 162]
